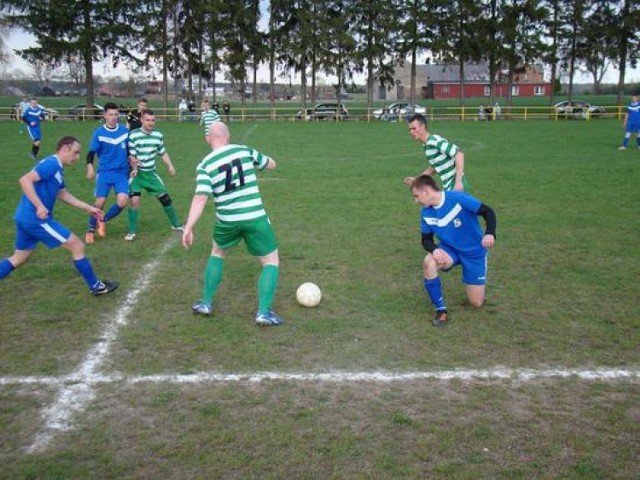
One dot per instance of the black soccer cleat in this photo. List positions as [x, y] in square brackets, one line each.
[440, 319]
[104, 287]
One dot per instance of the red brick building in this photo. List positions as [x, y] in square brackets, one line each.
[441, 81]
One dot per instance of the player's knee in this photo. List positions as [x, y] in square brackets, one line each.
[476, 302]
[165, 200]
[429, 266]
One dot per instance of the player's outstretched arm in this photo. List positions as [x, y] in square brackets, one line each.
[65, 196]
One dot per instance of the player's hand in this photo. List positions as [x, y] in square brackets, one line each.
[42, 212]
[96, 212]
[458, 187]
[133, 174]
[488, 241]
[90, 172]
[439, 256]
[33, 124]
[187, 238]
[408, 180]
[172, 170]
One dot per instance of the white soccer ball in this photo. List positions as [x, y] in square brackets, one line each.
[309, 295]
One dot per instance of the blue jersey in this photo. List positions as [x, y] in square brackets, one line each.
[633, 112]
[33, 114]
[455, 222]
[110, 144]
[48, 187]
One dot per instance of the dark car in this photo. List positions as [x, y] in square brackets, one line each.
[577, 109]
[324, 111]
[86, 112]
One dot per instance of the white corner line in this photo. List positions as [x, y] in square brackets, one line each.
[77, 390]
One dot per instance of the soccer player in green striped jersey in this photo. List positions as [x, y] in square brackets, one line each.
[145, 144]
[445, 158]
[228, 174]
[209, 115]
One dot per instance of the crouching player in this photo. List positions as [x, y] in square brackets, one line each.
[453, 217]
[41, 187]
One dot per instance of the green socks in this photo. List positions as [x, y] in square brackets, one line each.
[212, 278]
[267, 284]
[133, 214]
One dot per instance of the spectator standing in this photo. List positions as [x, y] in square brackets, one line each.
[192, 110]
[182, 109]
[226, 108]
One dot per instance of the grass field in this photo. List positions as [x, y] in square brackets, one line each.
[132, 385]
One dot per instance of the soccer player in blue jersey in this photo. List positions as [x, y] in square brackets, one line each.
[631, 122]
[32, 117]
[110, 143]
[453, 217]
[41, 187]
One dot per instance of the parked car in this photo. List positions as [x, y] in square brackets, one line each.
[396, 109]
[411, 109]
[322, 111]
[86, 112]
[577, 109]
[51, 113]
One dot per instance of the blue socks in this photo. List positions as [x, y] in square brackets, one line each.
[86, 270]
[434, 289]
[6, 267]
[113, 211]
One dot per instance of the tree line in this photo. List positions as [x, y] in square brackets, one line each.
[191, 39]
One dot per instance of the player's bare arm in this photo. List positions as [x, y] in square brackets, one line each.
[27, 182]
[195, 212]
[459, 159]
[167, 161]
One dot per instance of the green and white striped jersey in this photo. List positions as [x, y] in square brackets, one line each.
[145, 147]
[441, 155]
[229, 174]
[208, 118]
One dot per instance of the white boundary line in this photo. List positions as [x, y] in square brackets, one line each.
[518, 374]
[78, 391]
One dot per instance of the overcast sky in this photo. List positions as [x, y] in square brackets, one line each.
[19, 39]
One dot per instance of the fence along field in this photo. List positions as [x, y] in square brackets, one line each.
[362, 386]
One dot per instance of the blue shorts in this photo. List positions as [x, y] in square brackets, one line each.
[633, 127]
[34, 132]
[105, 181]
[49, 232]
[474, 267]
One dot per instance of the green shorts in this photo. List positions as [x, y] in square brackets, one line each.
[257, 234]
[149, 181]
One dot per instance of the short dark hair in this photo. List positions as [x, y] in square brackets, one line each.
[111, 106]
[147, 112]
[418, 117]
[66, 140]
[425, 181]
[142, 99]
